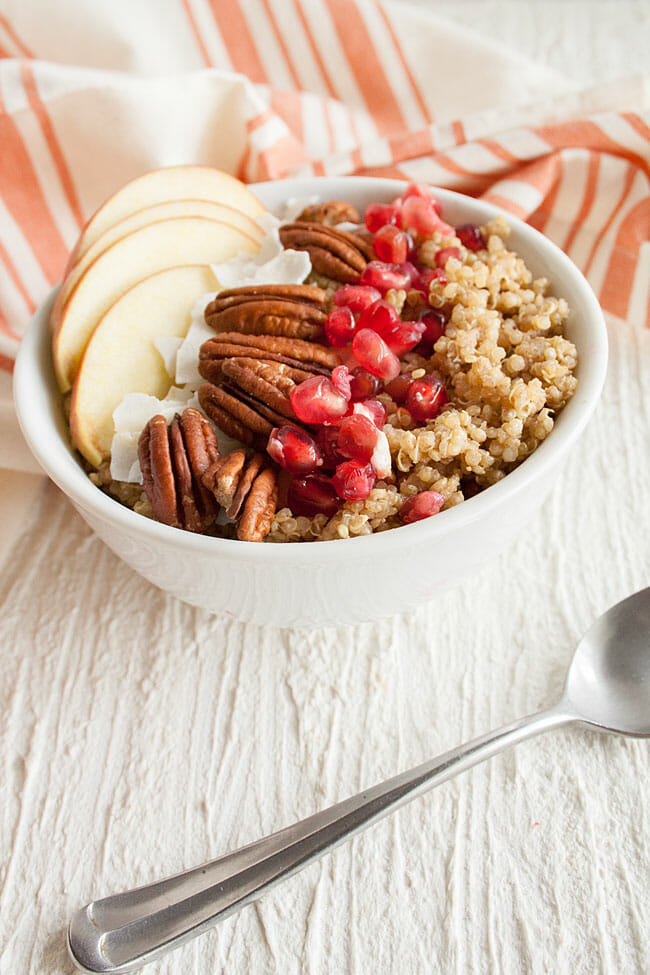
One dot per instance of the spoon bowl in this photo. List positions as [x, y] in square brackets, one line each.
[608, 684]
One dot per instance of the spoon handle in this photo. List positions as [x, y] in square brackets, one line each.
[122, 932]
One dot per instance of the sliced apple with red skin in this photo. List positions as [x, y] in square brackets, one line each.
[168, 243]
[161, 211]
[160, 185]
[121, 357]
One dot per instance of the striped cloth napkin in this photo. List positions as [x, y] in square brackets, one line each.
[91, 96]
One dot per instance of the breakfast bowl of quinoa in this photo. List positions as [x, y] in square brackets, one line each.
[367, 406]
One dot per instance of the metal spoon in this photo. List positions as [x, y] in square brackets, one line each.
[607, 687]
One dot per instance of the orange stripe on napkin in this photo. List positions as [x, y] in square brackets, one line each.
[314, 48]
[7, 365]
[6, 328]
[15, 277]
[365, 63]
[288, 105]
[14, 37]
[549, 172]
[637, 124]
[411, 144]
[587, 200]
[25, 200]
[505, 203]
[625, 192]
[238, 40]
[405, 64]
[619, 278]
[286, 52]
[197, 33]
[53, 144]
[499, 151]
[587, 134]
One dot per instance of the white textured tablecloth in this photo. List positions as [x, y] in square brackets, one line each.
[140, 736]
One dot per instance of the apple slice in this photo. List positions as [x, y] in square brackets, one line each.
[160, 185]
[121, 357]
[168, 243]
[152, 214]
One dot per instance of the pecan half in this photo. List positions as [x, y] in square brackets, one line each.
[173, 460]
[334, 253]
[309, 356]
[291, 310]
[259, 508]
[330, 213]
[246, 486]
[239, 415]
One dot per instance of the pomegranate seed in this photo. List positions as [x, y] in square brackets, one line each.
[317, 400]
[405, 337]
[432, 274]
[421, 505]
[341, 377]
[357, 437]
[312, 495]
[434, 324]
[371, 352]
[425, 398]
[383, 276]
[381, 317]
[327, 439]
[391, 244]
[398, 388]
[380, 215]
[340, 326]
[442, 256]
[422, 216]
[356, 297]
[294, 449]
[470, 237]
[409, 269]
[424, 191]
[373, 410]
[352, 481]
[363, 384]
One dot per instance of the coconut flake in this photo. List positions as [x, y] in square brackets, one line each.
[380, 460]
[168, 346]
[187, 357]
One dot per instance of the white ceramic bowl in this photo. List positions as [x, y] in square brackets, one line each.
[338, 581]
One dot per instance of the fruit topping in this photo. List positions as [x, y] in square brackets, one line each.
[312, 495]
[421, 505]
[363, 384]
[340, 326]
[384, 277]
[470, 237]
[373, 354]
[294, 449]
[356, 297]
[391, 244]
[357, 437]
[353, 481]
[317, 400]
[380, 215]
[425, 398]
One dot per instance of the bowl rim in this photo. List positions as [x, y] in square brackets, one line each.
[56, 456]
